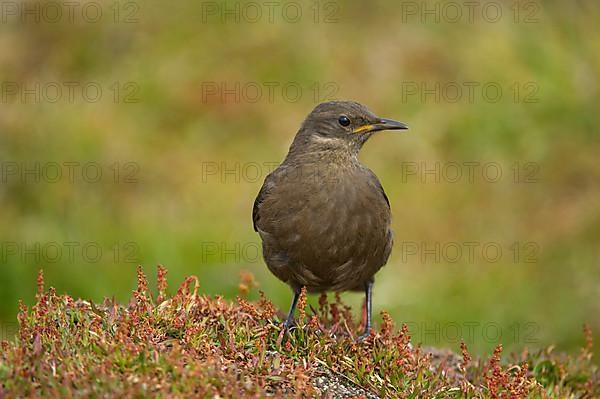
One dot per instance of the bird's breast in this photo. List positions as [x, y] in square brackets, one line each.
[331, 223]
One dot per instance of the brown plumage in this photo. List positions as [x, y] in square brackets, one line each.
[323, 217]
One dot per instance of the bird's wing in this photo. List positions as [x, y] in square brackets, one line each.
[384, 195]
[379, 186]
[264, 191]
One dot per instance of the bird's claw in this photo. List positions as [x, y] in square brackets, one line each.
[363, 336]
[288, 323]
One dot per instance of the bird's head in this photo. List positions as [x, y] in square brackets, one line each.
[343, 125]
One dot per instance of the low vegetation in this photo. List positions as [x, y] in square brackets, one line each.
[194, 345]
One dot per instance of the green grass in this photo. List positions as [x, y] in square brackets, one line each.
[194, 345]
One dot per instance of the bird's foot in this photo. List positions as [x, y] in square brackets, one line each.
[364, 336]
[288, 323]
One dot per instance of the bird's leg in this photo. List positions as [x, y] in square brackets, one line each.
[289, 320]
[369, 310]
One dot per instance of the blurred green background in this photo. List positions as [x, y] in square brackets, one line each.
[182, 158]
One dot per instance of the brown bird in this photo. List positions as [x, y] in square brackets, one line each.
[323, 217]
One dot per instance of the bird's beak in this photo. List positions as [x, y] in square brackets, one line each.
[383, 124]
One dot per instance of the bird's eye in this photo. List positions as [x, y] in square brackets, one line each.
[344, 120]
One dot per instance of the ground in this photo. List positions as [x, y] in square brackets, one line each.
[194, 345]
